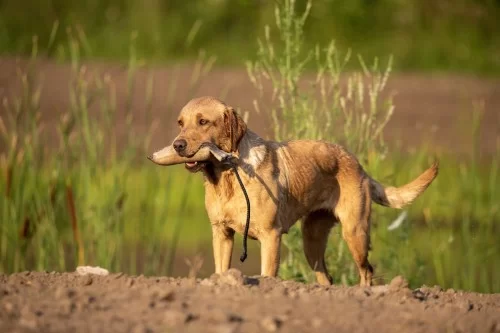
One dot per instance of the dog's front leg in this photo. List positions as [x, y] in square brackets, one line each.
[270, 253]
[222, 242]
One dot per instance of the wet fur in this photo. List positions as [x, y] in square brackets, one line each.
[316, 181]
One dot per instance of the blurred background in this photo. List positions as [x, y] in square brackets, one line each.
[88, 88]
[451, 36]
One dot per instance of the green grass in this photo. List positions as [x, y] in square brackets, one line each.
[87, 202]
[422, 35]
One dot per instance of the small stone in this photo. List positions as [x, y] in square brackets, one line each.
[207, 283]
[4, 291]
[34, 284]
[232, 277]
[191, 317]
[420, 295]
[270, 324]
[467, 306]
[166, 296]
[84, 270]
[86, 280]
[398, 283]
[437, 289]
[232, 317]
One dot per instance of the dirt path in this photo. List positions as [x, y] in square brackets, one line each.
[429, 108]
[66, 302]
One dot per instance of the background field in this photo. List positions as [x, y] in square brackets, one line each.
[100, 87]
[442, 35]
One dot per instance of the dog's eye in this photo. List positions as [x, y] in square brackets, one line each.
[180, 122]
[202, 121]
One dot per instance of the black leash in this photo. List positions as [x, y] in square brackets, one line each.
[247, 224]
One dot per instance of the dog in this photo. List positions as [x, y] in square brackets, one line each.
[318, 182]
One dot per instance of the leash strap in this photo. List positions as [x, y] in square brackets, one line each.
[247, 224]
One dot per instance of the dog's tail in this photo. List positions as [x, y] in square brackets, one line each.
[398, 197]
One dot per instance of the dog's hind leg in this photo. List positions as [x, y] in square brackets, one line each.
[354, 216]
[315, 230]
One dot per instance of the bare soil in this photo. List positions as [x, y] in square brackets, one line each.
[66, 302]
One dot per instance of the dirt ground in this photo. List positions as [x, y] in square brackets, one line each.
[66, 302]
[430, 109]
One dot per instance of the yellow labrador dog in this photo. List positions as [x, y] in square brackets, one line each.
[319, 182]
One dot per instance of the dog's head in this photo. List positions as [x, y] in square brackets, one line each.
[207, 120]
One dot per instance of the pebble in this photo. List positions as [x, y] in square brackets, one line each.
[232, 277]
[84, 270]
[270, 324]
[86, 280]
[418, 294]
[207, 283]
[467, 306]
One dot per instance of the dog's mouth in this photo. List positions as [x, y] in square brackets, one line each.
[195, 166]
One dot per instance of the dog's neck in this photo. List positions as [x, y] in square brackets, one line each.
[251, 152]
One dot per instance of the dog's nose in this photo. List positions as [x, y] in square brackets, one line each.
[180, 145]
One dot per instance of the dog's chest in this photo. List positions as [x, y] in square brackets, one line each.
[227, 211]
[226, 205]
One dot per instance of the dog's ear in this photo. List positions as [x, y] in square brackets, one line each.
[234, 128]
